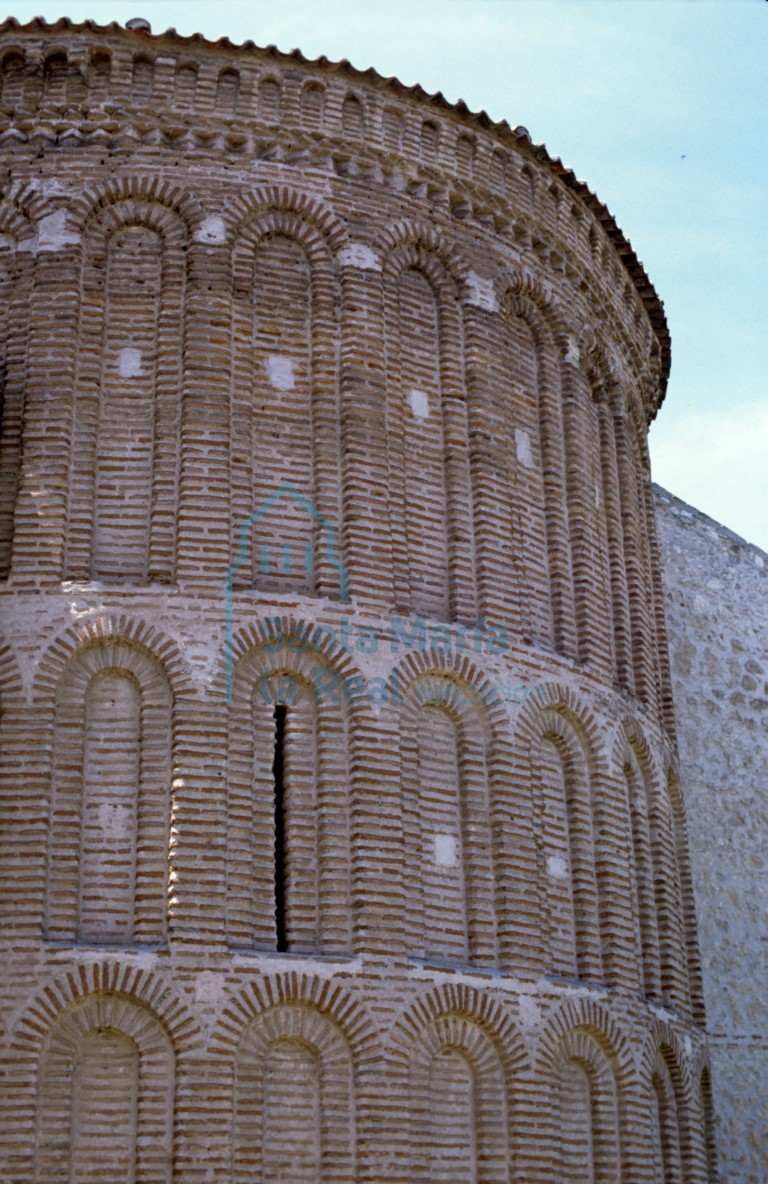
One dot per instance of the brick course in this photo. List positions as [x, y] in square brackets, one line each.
[224, 270]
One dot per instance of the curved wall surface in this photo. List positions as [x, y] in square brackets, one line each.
[344, 832]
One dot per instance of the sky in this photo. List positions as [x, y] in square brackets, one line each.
[660, 105]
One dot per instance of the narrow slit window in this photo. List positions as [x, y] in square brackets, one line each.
[278, 770]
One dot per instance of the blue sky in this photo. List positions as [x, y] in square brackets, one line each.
[661, 105]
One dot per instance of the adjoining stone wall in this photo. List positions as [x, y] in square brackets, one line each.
[716, 589]
[343, 824]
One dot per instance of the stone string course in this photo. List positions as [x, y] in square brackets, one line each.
[319, 393]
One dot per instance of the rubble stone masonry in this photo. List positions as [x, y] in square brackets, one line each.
[343, 832]
[716, 589]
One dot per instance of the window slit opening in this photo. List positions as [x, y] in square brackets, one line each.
[278, 771]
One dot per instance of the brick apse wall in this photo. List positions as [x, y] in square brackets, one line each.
[344, 839]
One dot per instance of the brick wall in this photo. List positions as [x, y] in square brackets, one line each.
[343, 834]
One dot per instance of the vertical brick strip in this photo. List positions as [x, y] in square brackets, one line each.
[15, 300]
[637, 589]
[589, 594]
[204, 549]
[614, 527]
[366, 439]
[497, 565]
[41, 514]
